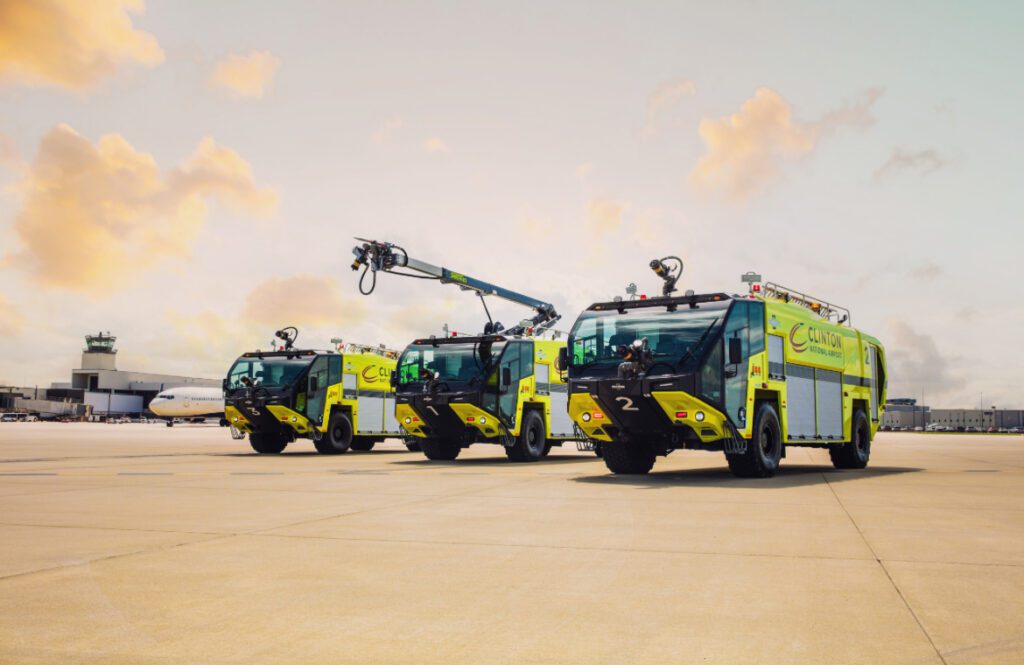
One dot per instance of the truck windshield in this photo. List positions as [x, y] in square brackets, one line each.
[269, 372]
[453, 363]
[677, 339]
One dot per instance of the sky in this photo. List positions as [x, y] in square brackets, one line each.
[190, 175]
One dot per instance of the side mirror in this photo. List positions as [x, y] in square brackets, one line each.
[735, 351]
[224, 385]
[393, 379]
[314, 384]
[506, 377]
[562, 361]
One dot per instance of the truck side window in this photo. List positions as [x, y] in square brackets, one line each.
[525, 360]
[333, 370]
[510, 359]
[755, 313]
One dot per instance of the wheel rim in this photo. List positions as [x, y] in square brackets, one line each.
[862, 441]
[767, 442]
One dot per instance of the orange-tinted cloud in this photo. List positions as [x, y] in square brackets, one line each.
[71, 43]
[95, 214]
[434, 144]
[664, 97]
[745, 151]
[246, 75]
[923, 161]
[385, 135]
[604, 216]
[302, 300]
[12, 322]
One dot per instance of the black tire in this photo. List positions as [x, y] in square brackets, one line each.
[529, 445]
[170, 423]
[338, 437]
[440, 449]
[267, 443]
[362, 443]
[631, 458]
[598, 450]
[764, 450]
[413, 444]
[854, 454]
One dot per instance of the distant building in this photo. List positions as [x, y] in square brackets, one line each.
[98, 387]
[904, 413]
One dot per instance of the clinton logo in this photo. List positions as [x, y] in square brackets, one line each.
[798, 347]
[370, 374]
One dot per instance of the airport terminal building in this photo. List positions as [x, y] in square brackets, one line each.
[906, 413]
[97, 387]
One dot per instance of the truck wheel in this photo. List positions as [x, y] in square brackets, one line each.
[764, 450]
[363, 443]
[267, 443]
[529, 446]
[597, 450]
[412, 444]
[440, 449]
[338, 437]
[854, 454]
[634, 458]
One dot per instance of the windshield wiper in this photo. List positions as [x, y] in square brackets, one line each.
[700, 340]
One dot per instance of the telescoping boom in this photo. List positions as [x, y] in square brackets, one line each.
[374, 256]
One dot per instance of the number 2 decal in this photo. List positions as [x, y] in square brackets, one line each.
[627, 404]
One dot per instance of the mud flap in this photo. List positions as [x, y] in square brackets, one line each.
[734, 444]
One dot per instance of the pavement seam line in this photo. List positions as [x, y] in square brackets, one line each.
[885, 570]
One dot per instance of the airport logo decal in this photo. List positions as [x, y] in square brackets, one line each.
[798, 347]
[371, 374]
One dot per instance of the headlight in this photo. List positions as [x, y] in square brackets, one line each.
[408, 420]
[235, 419]
[585, 417]
[483, 419]
[699, 416]
[294, 419]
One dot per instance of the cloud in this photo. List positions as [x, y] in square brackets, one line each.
[435, 144]
[9, 155]
[94, 215]
[246, 75]
[927, 271]
[386, 133]
[914, 361]
[71, 43]
[664, 97]
[924, 162]
[584, 170]
[746, 151]
[302, 300]
[12, 322]
[604, 216]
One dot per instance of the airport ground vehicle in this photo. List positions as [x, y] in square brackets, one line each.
[746, 375]
[342, 400]
[499, 387]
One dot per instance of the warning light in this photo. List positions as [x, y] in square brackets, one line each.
[755, 288]
[680, 414]
[469, 419]
[598, 415]
[643, 296]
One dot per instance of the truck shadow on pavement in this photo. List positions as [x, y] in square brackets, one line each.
[498, 460]
[792, 475]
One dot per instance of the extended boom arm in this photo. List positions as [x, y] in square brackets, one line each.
[374, 256]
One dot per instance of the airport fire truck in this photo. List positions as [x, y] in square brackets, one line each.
[746, 375]
[343, 399]
[497, 387]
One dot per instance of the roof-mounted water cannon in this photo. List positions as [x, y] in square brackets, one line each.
[669, 269]
[288, 335]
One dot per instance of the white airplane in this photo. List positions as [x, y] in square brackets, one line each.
[188, 402]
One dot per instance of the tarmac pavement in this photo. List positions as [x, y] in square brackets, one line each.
[147, 544]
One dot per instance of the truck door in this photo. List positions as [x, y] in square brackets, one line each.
[737, 351]
[316, 390]
[508, 395]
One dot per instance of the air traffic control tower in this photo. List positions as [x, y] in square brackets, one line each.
[99, 352]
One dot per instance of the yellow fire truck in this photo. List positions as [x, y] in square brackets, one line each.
[746, 375]
[342, 400]
[499, 387]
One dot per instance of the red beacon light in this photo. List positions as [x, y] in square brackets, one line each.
[643, 296]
